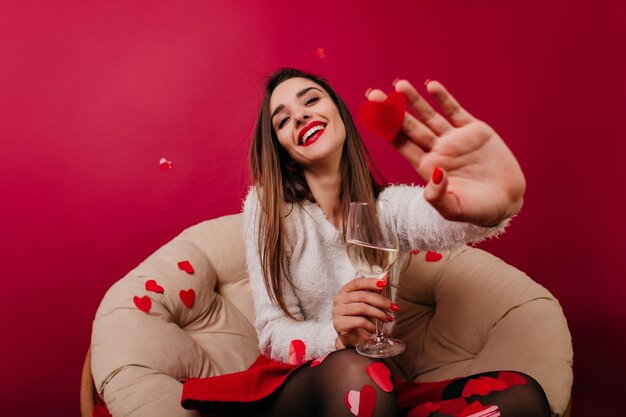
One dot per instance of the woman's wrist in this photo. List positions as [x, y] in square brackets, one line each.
[339, 344]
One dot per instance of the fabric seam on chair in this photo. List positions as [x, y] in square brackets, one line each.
[114, 373]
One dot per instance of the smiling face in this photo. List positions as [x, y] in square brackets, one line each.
[307, 122]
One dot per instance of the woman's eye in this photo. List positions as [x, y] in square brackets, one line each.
[312, 100]
[282, 122]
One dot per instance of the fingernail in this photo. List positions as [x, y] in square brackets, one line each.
[395, 81]
[381, 283]
[367, 92]
[389, 319]
[395, 307]
[437, 175]
[427, 81]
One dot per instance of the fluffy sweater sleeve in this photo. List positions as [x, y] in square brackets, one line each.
[420, 226]
[275, 330]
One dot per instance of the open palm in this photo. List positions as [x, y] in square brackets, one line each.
[472, 175]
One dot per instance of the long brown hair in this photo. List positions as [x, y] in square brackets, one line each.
[280, 181]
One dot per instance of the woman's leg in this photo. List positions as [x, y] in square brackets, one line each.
[321, 391]
[526, 400]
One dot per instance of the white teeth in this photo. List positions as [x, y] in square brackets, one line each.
[310, 132]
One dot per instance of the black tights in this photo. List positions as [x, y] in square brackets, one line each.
[320, 391]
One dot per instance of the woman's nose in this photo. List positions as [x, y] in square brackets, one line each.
[301, 118]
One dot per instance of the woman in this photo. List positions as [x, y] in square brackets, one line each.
[308, 162]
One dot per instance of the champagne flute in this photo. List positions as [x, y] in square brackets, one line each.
[372, 248]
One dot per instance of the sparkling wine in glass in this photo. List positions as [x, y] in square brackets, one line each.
[372, 248]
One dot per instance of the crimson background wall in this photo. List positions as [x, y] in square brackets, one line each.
[93, 94]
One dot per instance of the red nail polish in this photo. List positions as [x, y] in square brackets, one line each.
[395, 81]
[367, 92]
[381, 284]
[395, 307]
[437, 175]
[389, 319]
[427, 81]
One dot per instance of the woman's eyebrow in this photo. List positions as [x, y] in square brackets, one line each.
[298, 95]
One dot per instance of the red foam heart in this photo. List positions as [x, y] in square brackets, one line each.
[185, 266]
[477, 409]
[453, 407]
[482, 386]
[415, 251]
[187, 297]
[384, 118]
[297, 352]
[165, 165]
[511, 378]
[144, 303]
[151, 285]
[424, 409]
[432, 256]
[319, 360]
[381, 375]
[361, 403]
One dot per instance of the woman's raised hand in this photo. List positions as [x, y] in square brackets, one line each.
[356, 306]
[472, 175]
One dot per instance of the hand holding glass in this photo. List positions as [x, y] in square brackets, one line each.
[373, 248]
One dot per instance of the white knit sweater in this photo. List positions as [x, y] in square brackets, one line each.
[318, 264]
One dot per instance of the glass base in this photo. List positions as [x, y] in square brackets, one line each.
[381, 347]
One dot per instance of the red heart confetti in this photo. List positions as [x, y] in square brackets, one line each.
[165, 165]
[453, 407]
[476, 409]
[297, 352]
[319, 53]
[187, 297]
[319, 360]
[482, 386]
[384, 118]
[432, 256]
[185, 266]
[424, 410]
[511, 378]
[381, 375]
[361, 403]
[415, 251]
[151, 285]
[144, 303]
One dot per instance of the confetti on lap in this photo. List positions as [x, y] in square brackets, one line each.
[297, 352]
[381, 375]
[361, 403]
[319, 360]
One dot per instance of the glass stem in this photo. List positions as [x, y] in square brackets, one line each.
[379, 335]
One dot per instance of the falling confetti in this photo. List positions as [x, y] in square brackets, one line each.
[165, 164]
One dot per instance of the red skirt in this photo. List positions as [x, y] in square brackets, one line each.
[265, 376]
